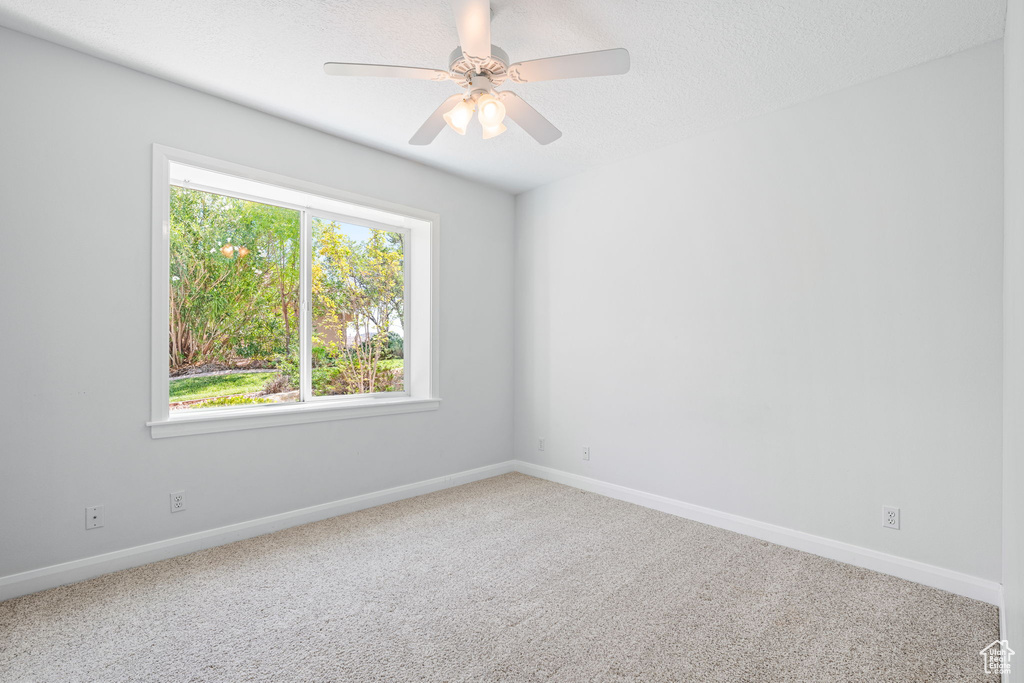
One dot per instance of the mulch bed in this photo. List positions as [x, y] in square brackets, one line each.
[208, 368]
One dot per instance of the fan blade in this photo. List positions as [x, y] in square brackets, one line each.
[600, 63]
[528, 118]
[473, 21]
[384, 71]
[434, 124]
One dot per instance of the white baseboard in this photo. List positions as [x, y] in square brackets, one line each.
[34, 580]
[14, 585]
[919, 572]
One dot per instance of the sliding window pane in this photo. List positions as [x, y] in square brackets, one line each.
[234, 302]
[358, 297]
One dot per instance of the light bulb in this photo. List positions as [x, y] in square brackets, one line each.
[491, 111]
[494, 131]
[459, 116]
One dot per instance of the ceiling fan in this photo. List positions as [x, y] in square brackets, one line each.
[479, 67]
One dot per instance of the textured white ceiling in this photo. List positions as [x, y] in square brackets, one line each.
[696, 64]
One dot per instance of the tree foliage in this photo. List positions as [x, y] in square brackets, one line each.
[359, 285]
[234, 269]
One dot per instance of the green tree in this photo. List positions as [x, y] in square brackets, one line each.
[360, 285]
[234, 268]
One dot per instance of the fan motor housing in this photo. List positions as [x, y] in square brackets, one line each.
[494, 67]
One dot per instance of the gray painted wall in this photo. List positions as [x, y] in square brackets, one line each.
[796, 319]
[75, 299]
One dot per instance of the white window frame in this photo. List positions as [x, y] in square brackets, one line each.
[421, 332]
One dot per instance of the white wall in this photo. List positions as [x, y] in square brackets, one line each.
[75, 173]
[796, 319]
[1013, 348]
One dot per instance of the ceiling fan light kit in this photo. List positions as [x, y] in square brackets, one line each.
[478, 67]
[480, 98]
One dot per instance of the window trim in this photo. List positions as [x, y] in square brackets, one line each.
[421, 291]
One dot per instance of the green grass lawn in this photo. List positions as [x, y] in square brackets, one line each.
[392, 364]
[189, 388]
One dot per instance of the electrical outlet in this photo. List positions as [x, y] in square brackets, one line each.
[586, 452]
[891, 518]
[94, 517]
[178, 501]
[540, 444]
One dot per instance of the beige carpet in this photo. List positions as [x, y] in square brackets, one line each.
[508, 579]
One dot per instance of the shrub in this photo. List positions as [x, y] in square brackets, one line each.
[393, 349]
[324, 356]
[288, 379]
[277, 384]
[350, 377]
[338, 372]
[324, 378]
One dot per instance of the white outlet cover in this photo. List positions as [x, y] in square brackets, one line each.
[586, 452]
[177, 501]
[94, 517]
[891, 518]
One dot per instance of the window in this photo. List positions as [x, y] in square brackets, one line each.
[358, 292]
[233, 319]
[277, 301]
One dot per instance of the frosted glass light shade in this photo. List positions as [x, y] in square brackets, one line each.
[494, 131]
[459, 116]
[490, 111]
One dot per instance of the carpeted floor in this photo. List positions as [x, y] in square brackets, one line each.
[508, 579]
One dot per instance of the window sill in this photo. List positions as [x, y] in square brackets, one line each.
[184, 423]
